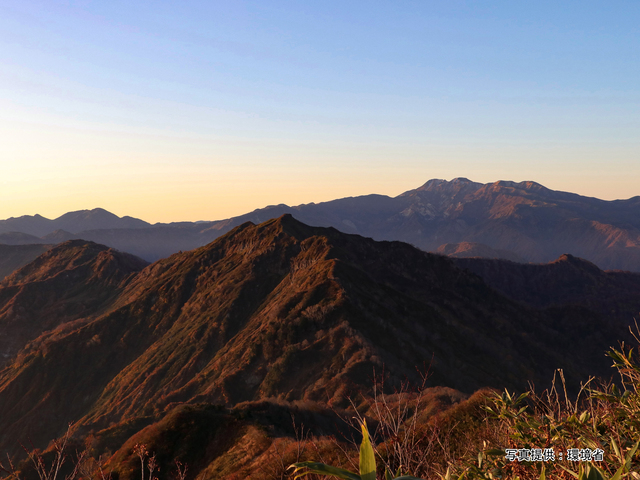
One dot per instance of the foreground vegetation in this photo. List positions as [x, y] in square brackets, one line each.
[491, 435]
[593, 437]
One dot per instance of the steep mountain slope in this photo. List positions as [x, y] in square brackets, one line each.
[13, 257]
[280, 310]
[70, 282]
[564, 282]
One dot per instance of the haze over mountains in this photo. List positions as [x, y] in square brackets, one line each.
[278, 312]
[519, 221]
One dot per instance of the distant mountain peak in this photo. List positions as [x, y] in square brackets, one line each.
[461, 180]
[436, 184]
[577, 262]
[71, 255]
[95, 212]
[524, 218]
[526, 185]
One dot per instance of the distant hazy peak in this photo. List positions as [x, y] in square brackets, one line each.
[462, 185]
[437, 184]
[461, 180]
[93, 213]
[434, 182]
[526, 185]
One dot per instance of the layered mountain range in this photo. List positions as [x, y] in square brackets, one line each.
[281, 314]
[516, 221]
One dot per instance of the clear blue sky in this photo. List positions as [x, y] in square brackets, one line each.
[203, 110]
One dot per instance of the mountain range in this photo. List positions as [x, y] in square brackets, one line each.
[190, 353]
[523, 222]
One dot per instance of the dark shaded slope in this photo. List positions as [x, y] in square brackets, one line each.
[568, 281]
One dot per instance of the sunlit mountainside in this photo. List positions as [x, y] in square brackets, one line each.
[274, 319]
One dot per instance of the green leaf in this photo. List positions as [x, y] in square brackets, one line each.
[494, 452]
[323, 469]
[569, 471]
[596, 474]
[616, 450]
[367, 457]
[447, 475]
[627, 462]
[618, 474]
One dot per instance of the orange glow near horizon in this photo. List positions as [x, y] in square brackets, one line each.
[180, 177]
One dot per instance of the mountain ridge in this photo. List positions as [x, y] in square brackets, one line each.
[526, 219]
[277, 309]
[267, 317]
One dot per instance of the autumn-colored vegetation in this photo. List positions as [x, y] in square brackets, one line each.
[594, 436]
[260, 350]
[528, 436]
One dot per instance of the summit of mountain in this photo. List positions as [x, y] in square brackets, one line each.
[77, 259]
[12, 257]
[71, 282]
[73, 222]
[36, 225]
[97, 218]
[275, 310]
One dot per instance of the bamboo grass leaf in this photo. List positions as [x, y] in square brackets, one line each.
[616, 450]
[569, 471]
[367, 456]
[323, 469]
[630, 455]
[618, 474]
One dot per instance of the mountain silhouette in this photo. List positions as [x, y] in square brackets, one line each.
[519, 221]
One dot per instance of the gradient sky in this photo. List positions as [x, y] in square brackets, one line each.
[190, 110]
